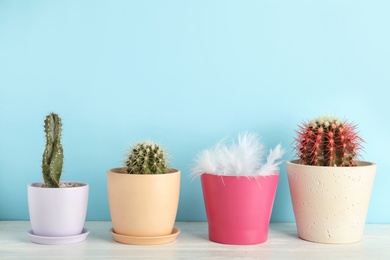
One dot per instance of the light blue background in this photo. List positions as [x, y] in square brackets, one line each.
[186, 74]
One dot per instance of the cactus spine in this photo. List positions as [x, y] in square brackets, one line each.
[327, 141]
[53, 156]
[146, 158]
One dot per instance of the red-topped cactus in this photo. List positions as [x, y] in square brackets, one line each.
[328, 141]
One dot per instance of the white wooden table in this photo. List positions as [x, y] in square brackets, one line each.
[192, 243]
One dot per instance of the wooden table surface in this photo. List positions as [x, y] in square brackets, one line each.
[192, 243]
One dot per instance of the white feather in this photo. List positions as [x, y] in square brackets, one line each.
[205, 163]
[271, 166]
[248, 153]
[244, 158]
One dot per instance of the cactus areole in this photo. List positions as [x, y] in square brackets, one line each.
[146, 158]
[328, 141]
[53, 155]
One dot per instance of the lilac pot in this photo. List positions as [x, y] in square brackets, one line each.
[57, 212]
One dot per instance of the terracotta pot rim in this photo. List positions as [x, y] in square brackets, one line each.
[359, 164]
[119, 170]
[39, 185]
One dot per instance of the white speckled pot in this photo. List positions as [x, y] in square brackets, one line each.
[330, 203]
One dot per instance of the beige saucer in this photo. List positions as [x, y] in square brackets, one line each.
[158, 240]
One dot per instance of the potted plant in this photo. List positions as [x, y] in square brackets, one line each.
[143, 197]
[57, 209]
[238, 189]
[330, 189]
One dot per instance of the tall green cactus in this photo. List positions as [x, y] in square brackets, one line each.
[146, 158]
[53, 155]
[328, 141]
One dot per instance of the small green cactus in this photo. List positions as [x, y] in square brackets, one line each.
[53, 155]
[146, 158]
[328, 141]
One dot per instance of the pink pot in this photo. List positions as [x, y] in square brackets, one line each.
[239, 208]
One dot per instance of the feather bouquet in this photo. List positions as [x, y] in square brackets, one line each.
[246, 157]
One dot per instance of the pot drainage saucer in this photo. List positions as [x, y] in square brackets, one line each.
[157, 240]
[58, 240]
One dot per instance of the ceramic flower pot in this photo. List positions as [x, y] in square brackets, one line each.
[238, 209]
[330, 203]
[143, 205]
[57, 212]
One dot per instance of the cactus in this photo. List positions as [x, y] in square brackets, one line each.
[53, 156]
[147, 158]
[327, 141]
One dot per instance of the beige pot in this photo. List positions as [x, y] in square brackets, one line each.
[330, 203]
[143, 205]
